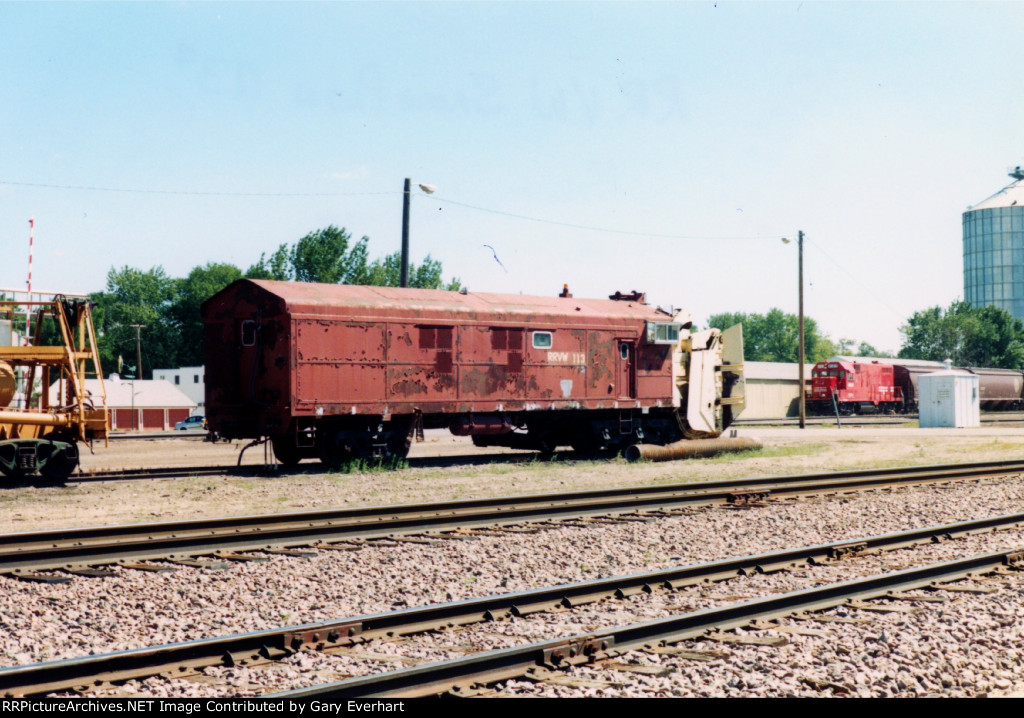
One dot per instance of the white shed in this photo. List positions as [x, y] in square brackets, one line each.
[949, 398]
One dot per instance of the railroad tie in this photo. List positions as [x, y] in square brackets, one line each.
[690, 654]
[773, 641]
[151, 567]
[307, 553]
[556, 678]
[639, 669]
[232, 556]
[967, 589]
[90, 572]
[196, 563]
[39, 577]
[880, 608]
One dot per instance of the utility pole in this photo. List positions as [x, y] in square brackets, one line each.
[406, 195]
[138, 348]
[800, 279]
[138, 365]
[404, 281]
[28, 307]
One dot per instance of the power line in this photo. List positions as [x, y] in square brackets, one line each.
[513, 215]
[847, 272]
[588, 227]
[193, 193]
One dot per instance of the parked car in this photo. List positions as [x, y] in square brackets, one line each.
[196, 422]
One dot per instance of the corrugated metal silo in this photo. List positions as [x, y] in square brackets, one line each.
[994, 249]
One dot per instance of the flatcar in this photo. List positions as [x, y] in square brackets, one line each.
[338, 372]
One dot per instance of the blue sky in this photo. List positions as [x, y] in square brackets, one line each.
[664, 147]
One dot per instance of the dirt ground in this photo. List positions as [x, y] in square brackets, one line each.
[436, 473]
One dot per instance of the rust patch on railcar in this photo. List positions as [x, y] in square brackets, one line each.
[406, 381]
[495, 381]
[408, 387]
[600, 353]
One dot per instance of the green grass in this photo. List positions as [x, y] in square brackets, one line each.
[994, 445]
[771, 452]
[371, 466]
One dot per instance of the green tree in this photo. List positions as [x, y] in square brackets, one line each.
[201, 284]
[329, 256]
[851, 347]
[141, 297]
[971, 336]
[324, 256]
[387, 272]
[775, 336]
[278, 267]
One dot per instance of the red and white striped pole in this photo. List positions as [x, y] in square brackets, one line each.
[28, 309]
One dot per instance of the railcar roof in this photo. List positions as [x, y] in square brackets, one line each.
[319, 297]
[895, 361]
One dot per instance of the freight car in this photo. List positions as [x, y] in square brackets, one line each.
[886, 385]
[999, 389]
[338, 372]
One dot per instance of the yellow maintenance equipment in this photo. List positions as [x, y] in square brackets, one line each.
[40, 436]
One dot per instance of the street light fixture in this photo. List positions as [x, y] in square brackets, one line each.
[800, 349]
[427, 189]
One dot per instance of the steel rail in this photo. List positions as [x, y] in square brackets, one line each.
[163, 473]
[499, 665]
[76, 548]
[241, 649]
[879, 420]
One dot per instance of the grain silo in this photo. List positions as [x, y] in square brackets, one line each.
[994, 249]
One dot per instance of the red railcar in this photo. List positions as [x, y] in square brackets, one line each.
[340, 371]
[890, 385]
[853, 388]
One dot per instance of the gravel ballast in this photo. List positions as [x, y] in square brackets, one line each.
[966, 646]
[44, 622]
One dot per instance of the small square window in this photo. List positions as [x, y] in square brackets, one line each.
[248, 333]
[542, 340]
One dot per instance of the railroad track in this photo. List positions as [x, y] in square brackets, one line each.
[86, 550]
[870, 420]
[471, 675]
[281, 470]
[167, 473]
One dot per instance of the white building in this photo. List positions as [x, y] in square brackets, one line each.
[150, 405]
[189, 380]
[949, 399]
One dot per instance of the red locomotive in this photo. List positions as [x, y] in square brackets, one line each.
[338, 372]
[864, 386]
[853, 388]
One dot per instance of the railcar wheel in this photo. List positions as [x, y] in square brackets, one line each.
[13, 476]
[337, 450]
[399, 442]
[57, 470]
[586, 443]
[58, 458]
[285, 450]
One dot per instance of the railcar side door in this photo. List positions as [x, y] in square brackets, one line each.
[625, 380]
